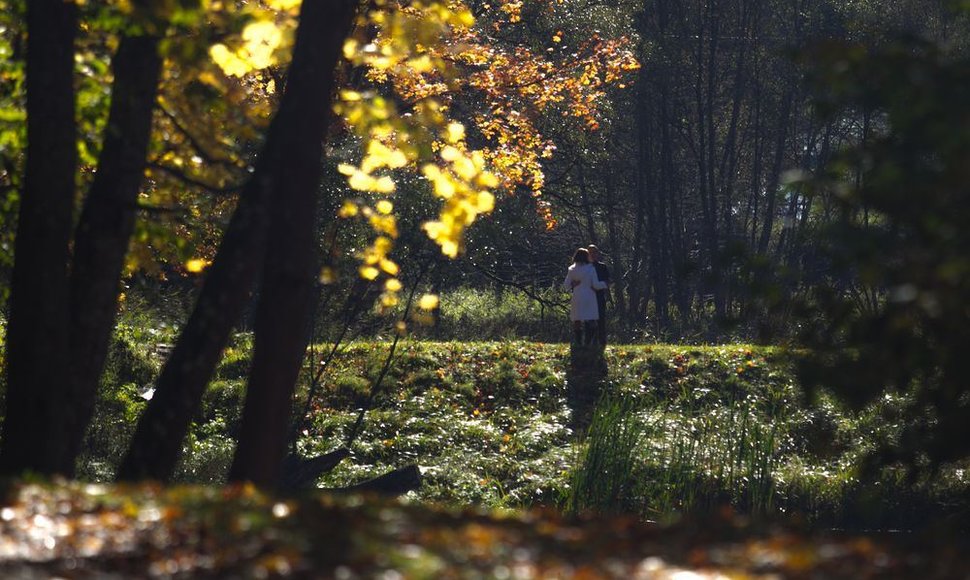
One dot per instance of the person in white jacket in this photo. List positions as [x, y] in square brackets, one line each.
[582, 281]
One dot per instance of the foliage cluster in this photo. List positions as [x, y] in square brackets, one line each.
[889, 315]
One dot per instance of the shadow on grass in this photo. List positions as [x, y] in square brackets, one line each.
[585, 380]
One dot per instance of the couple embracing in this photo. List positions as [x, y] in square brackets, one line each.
[588, 279]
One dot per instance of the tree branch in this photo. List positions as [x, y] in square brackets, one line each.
[519, 286]
[187, 179]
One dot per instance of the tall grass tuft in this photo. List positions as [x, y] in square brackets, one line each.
[605, 480]
[700, 458]
[661, 458]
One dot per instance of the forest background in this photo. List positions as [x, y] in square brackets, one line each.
[755, 171]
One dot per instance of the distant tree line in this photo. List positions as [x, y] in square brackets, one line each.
[698, 185]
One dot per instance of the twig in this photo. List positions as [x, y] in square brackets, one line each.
[185, 178]
[194, 142]
[525, 289]
[376, 387]
[315, 379]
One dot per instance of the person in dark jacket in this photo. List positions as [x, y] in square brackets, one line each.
[603, 273]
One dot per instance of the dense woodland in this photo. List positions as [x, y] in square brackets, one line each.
[204, 204]
[697, 185]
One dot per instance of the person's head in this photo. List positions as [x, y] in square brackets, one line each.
[581, 256]
[594, 253]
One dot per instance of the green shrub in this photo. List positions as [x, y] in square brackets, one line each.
[128, 361]
[115, 416]
[127, 379]
[499, 315]
[235, 364]
[348, 391]
[223, 401]
[207, 454]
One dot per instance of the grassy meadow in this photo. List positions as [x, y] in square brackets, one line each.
[676, 430]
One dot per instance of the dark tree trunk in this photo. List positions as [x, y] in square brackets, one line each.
[290, 272]
[643, 180]
[775, 179]
[587, 205]
[37, 333]
[107, 221]
[619, 274]
[157, 443]
[660, 239]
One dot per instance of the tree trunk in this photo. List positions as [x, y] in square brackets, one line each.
[775, 179]
[37, 333]
[660, 240]
[619, 273]
[290, 272]
[157, 443]
[107, 221]
[587, 206]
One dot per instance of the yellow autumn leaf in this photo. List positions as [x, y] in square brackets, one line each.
[380, 155]
[433, 229]
[385, 207]
[464, 168]
[350, 48]
[421, 64]
[449, 153]
[328, 275]
[196, 265]
[393, 285]
[350, 96]
[487, 179]
[464, 18]
[390, 267]
[227, 60]
[449, 248]
[486, 202]
[283, 4]
[478, 158]
[360, 181]
[442, 182]
[383, 245]
[369, 272]
[428, 302]
[383, 184]
[261, 39]
[455, 133]
[386, 224]
[348, 209]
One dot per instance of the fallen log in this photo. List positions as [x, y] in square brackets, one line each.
[302, 473]
[393, 483]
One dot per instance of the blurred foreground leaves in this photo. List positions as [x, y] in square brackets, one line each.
[79, 531]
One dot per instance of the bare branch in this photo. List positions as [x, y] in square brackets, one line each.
[195, 182]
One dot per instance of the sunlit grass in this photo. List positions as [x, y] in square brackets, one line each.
[682, 429]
